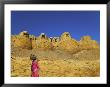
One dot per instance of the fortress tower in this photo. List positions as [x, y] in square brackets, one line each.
[22, 40]
[64, 42]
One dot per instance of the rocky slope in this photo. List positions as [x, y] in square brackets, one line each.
[59, 56]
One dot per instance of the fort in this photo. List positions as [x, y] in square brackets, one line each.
[65, 42]
[61, 56]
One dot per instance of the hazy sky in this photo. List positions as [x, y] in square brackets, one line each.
[54, 23]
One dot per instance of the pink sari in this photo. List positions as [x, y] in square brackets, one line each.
[35, 69]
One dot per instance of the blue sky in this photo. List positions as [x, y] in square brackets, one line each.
[54, 23]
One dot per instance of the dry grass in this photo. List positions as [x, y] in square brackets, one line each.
[57, 64]
[68, 68]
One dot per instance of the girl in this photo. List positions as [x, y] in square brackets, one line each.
[34, 66]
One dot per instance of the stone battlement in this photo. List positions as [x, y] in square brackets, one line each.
[65, 42]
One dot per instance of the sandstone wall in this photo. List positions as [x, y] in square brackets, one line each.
[67, 43]
[22, 41]
[87, 43]
[64, 42]
[55, 42]
[42, 42]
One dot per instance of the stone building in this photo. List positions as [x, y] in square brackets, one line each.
[86, 42]
[22, 40]
[64, 42]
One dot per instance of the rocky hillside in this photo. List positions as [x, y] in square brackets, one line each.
[58, 56]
